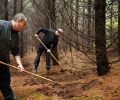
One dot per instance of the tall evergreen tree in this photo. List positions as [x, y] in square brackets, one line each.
[100, 37]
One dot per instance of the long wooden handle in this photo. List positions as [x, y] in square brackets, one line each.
[29, 72]
[47, 49]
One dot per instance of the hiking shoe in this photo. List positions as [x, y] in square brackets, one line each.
[16, 98]
[48, 69]
[35, 70]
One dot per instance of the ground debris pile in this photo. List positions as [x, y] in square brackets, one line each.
[72, 84]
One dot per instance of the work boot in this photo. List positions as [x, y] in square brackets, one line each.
[16, 98]
[13, 98]
[48, 71]
[47, 67]
[35, 70]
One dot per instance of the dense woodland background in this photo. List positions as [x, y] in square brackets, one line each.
[91, 27]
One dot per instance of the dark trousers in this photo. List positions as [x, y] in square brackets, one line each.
[37, 58]
[5, 83]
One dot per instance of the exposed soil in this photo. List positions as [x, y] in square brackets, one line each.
[71, 83]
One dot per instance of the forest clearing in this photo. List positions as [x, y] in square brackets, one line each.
[82, 84]
[83, 38]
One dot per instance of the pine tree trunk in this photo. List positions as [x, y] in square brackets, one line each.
[100, 40]
[119, 27]
[89, 34]
[15, 7]
[76, 24]
[6, 9]
[22, 38]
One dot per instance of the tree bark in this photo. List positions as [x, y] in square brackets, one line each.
[15, 7]
[76, 23]
[22, 38]
[119, 27]
[6, 9]
[51, 23]
[100, 40]
[89, 34]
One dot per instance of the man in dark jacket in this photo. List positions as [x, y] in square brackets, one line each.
[50, 40]
[9, 42]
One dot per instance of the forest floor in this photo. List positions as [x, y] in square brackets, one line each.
[83, 84]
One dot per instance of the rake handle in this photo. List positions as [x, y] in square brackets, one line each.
[29, 72]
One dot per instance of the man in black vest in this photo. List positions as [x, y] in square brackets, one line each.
[9, 42]
[50, 40]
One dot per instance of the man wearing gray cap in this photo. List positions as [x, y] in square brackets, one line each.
[50, 40]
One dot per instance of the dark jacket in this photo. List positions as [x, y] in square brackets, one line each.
[50, 39]
[9, 41]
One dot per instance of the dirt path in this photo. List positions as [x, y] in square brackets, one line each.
[75, 85]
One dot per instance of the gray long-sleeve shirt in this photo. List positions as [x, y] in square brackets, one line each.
[9, 41]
